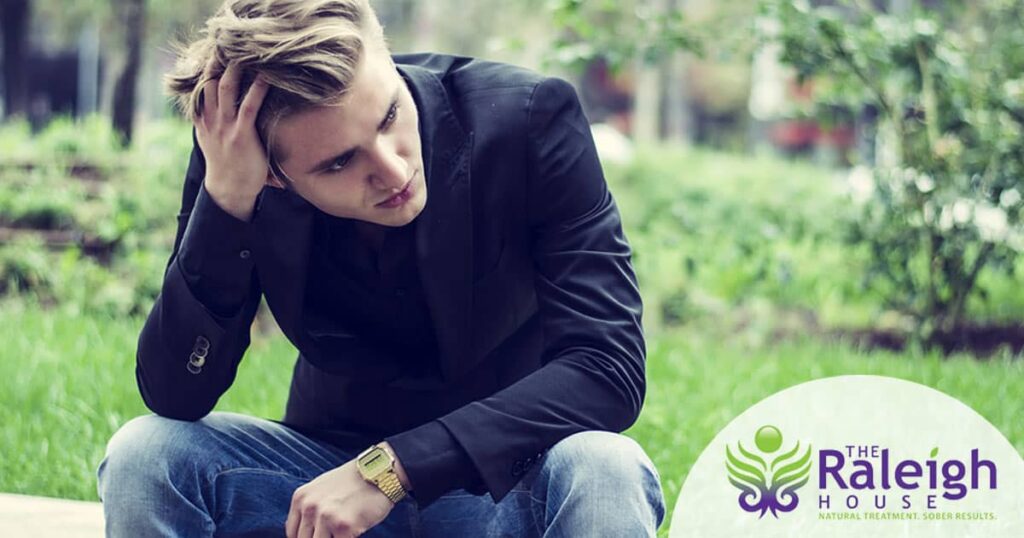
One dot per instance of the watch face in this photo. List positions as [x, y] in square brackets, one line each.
[374, 463]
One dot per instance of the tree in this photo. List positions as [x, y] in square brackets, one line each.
[657, 39]
[945, 201]
[125, 27]
[14, 20]
[132, 14]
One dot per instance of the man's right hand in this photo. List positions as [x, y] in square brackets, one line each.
[236, 162]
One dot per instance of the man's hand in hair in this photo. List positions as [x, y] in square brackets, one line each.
[236, 162]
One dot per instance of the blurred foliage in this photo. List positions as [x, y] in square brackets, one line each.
[24, 266]
[62, 143]
[36, 200]
[944, 200]
[621, 32]
[715, 235]
[165, 21]
[72, 177]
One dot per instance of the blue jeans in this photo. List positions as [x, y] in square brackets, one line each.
[234, 475]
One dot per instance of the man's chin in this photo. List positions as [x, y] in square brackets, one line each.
[402, 218]
[416, 206]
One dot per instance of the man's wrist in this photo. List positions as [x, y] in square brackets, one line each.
[237, 205]
[399, 470]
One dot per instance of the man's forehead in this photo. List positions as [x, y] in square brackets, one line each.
[308, 134]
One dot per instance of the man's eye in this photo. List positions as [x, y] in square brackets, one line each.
[339, 164]
[391, 117]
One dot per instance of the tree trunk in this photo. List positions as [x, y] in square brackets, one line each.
[14, 22]
[678, 112]
[647, 103]
[133, 20]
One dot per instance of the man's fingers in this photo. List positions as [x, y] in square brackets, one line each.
[209, 99]
[253, 100]
[209, 91]
[291, 525]
[306, 527]
[322, 531]
[228, 93]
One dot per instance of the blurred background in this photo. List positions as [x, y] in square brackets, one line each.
[810, 188]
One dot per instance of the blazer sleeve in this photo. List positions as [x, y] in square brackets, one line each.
[593, 373]
[205, 307]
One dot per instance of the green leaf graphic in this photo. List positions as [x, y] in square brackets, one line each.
[743, 471]
[935, 452]
[793, 471]
[783, 457]
[752, 456]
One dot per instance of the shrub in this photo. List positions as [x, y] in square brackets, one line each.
[944, 201]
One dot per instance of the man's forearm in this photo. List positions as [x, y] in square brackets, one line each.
[215, 257]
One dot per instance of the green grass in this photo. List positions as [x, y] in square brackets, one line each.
[69, 384]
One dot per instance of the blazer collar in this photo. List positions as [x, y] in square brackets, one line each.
[444, 233]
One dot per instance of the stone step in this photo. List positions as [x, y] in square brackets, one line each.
[25, 516]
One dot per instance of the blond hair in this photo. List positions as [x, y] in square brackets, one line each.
[306, 50]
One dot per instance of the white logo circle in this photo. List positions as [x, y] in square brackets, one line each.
[854, 456]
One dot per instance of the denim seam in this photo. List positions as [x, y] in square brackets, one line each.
[538, 513]
[255, 470]
[538, 507]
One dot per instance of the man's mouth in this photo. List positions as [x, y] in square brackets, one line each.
[400, 198]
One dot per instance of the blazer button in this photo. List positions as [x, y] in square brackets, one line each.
[202, 343]
[196, 360]
[517, 468]
[244, 254]
[192, 368]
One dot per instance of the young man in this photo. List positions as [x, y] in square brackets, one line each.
[435, 237]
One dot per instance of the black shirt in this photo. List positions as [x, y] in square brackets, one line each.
[378, 295]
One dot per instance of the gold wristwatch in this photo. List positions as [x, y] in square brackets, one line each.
[378, 467]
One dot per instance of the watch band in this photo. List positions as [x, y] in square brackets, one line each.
[391, 486]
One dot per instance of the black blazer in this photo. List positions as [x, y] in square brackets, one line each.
[523, 263]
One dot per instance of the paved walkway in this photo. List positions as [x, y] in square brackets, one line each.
[43, 517]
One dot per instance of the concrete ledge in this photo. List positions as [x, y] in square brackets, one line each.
[30, 517]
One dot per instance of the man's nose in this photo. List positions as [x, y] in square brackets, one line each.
[390, 171]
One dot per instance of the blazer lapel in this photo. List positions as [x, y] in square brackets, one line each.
[444, 230]
[284, 222]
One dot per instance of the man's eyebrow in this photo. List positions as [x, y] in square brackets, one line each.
[324, 164]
